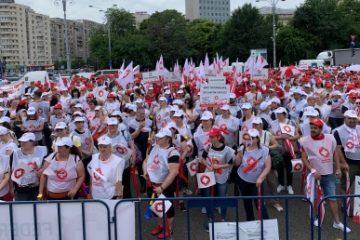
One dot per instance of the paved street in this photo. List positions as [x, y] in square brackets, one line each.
[299, 222]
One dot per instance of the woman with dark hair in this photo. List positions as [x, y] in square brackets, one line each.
[255, 165]
[218, 159]
[75, 94]
[160, 169]
[191, 114]
[63, 173]
[26, 182]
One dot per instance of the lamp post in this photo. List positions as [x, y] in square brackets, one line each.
[108, 32]
[273, 4]
[68, 56]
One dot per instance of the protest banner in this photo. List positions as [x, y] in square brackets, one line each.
[217, 80]
[150, 77]
[247, 230]
[212, 95]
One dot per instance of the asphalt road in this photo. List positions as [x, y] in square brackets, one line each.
[298, 213]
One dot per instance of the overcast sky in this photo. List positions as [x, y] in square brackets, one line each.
[79, 9]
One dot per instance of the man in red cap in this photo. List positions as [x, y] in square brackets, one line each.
[350, 102]
[318, 153]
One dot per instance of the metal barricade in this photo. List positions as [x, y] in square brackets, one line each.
[342, 199]
[211, 203]
[47, 220]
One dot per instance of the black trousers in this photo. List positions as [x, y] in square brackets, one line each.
[126, 183]
[249, 189]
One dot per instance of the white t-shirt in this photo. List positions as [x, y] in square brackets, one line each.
[105, 175]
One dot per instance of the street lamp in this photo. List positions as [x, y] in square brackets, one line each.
[68, 57]
[273, 4]
[109, 32]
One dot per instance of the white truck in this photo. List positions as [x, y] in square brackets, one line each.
[338, 57]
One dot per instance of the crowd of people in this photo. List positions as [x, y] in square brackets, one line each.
[97, 141]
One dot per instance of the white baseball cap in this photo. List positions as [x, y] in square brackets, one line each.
[256, 120]
[178, 102]
[164, 132]
[276, 100]
[179, 113]
[350, 114]
[207, 115]
[116, 113]
[263, 106]
[79, 119]
[78, 105]
[174, 108]
[112, 121]
[336, 93]
[139, 101]
[31, 111]
[280, 110]
[97, 108]
[132, 107]
[167, 92]
[246, 106]
[225, 107]
[3, 130]
[171, 125]
[253, 133]
[232, 95]
[162, 99]
[78, 113]
[65, 141]
[26, 137]
[60, 125]
[180, 91]
[104, 140]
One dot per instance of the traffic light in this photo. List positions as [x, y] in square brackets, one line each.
[352, 44]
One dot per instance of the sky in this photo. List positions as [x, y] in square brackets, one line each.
[79, 9]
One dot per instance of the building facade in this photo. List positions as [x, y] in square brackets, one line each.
[79, 32]
[217, 11]
[284, 15]
[140, 17]
[24, 36]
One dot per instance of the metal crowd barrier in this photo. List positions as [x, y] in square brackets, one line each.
[342, 202]
[211, 203]
[109, 218]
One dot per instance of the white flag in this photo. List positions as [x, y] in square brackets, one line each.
[260, 63]
[127, 76]
[62, 86]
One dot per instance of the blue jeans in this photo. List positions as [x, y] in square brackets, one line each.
[328, 185]
[220, 191]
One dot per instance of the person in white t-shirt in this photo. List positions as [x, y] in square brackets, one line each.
[319, 153]
[106, 171]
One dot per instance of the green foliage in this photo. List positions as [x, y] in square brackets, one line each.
[317, 25]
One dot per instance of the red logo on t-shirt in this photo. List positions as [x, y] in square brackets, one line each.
[101, 93]
[216, 161]
[19, 173]
[287, 129]
[324, 152]
[350, 145]
[121, 150]
[61, 173]
[95, 175]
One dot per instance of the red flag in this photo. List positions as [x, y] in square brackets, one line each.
[348, 192]
[290, 148]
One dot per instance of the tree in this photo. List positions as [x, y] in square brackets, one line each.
[203, 37]
[167, 32]
[293, 45]
[120, 20]
[323, 19]
[245, 30]
[99, 48]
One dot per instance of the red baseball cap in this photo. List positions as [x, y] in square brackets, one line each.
[317, 122]
[58, 106]
[214, 132]
[353, 95]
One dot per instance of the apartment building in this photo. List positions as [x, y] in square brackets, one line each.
[217, 11]
[79, 32]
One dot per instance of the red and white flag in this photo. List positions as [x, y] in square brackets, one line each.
[260, 63]
[193, 167]
[121, 70]
[127, 76]
[62, 85]
[136, 69]
[159, 207]
[206, 179]
[319, 204]
[348, 193]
